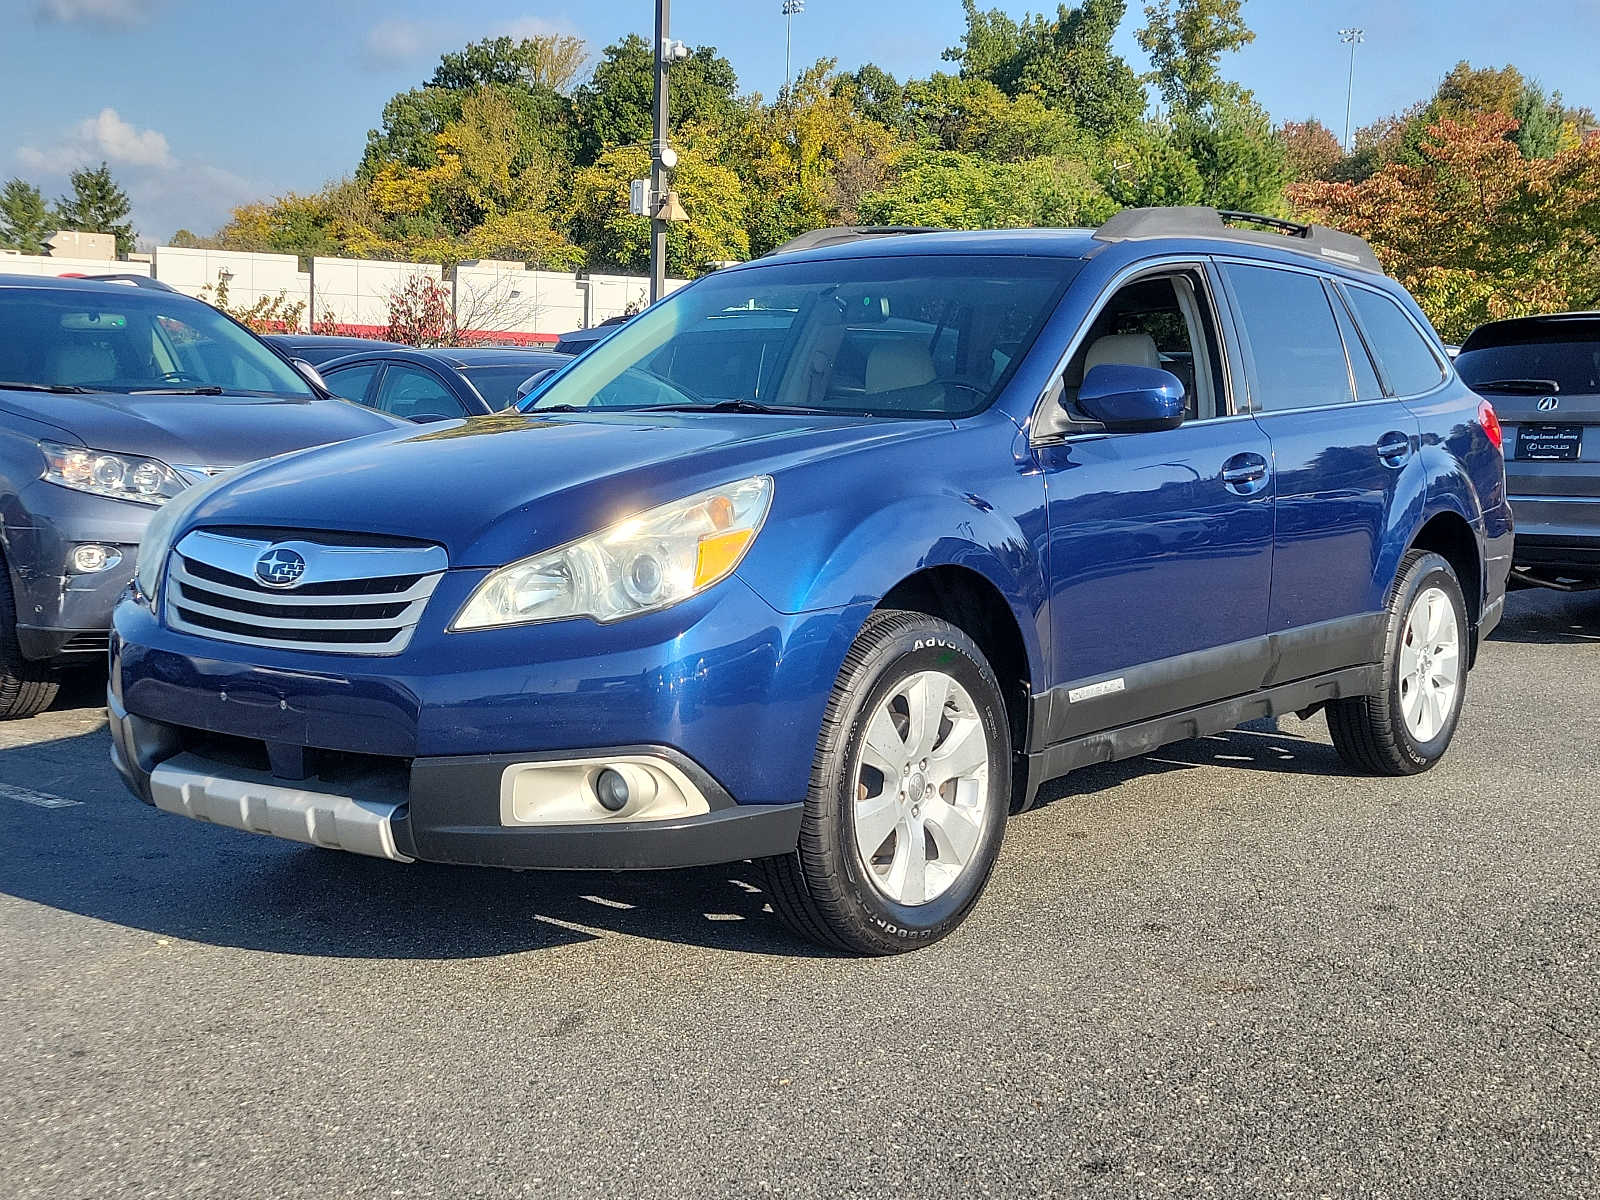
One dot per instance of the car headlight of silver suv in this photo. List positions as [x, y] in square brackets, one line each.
[102, 473]
[645, 563]
[161, 532]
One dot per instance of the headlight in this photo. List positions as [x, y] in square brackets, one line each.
[160, 533]
[120, 476]
[648, 562]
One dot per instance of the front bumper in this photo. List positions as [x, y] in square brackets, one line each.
[444, 810]
[63, 615]
[722, 689]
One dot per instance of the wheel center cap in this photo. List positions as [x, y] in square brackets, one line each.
[915, 785]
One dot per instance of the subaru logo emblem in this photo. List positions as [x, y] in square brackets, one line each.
[280, 567]
[1548, 404]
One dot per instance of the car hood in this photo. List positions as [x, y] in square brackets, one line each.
[496, 489]
[197, 431]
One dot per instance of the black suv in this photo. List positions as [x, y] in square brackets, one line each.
[113, 399]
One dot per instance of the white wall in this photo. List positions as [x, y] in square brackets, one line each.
[253, 276]
[39, 264]
[357, 290]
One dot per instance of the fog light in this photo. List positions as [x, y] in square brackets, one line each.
[611, 789]
[91, 558]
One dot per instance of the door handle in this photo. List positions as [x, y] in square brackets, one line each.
[1394, 448]
[1244, 473]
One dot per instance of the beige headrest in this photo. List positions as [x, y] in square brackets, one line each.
[898, 364]
[1123, 349]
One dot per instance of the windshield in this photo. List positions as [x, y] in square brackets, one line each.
[892, 337]
[137, 341]
[1572, 366]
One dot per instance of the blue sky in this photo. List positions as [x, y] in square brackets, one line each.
[203, 104]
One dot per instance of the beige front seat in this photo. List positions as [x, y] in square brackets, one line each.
[1122, 349]
[87, 363]
[895, 366]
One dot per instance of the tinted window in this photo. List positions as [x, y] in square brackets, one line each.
[1292, 339]
[498, 385]
[891, 336]
[1408, 364]
[352, 382]
[133, 340]
[411, 392]
[1572, 365]
[1367, 385]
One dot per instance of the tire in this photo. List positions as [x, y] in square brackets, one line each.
[27, 688]
[845, 899]
[1406, 727]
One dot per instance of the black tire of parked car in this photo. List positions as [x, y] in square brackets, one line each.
[820, 890]
[1369, 732]
[26, 687]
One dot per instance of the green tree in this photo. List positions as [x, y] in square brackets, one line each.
[714, 197]
[962, 191]
[24, 218]
[1066, 61]
[97, 205]
[1186, 40]
[1147, 169]
[547, 60]
[615, 106]
[1541, 122]
[1242, 161]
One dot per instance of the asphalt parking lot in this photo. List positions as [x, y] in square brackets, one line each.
[1230, 968]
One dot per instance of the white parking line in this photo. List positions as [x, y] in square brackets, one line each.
[37, 799]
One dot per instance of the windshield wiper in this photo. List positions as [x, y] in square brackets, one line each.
[63, 389]
[740, 405]
[205, 389]
[1529, 387]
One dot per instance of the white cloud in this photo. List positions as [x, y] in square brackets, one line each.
[396, 41]
[120, 14]
[102, 137]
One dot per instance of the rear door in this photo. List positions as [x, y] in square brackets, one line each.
[1343, 451]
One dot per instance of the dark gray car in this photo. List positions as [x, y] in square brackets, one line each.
[113, 399]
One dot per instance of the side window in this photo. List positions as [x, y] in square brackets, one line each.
[353, 381]
[1291, 338]
[1403, 354]
[1162, 322]
[411, 392]
[1367, 385]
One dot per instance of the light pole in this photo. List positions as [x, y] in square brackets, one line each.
[791, 9]
[662, 157]
[1352, 37]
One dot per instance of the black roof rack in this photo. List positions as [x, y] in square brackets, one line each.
[1135, 224]
[838, 235]
[143, 281]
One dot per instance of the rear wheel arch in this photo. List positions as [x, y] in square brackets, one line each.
[1449, 535]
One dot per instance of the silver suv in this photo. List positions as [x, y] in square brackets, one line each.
[1542, 374]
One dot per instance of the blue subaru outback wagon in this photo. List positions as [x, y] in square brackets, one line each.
[830, 559]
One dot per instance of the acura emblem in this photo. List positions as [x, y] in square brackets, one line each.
[1548, 404]
[280, 567]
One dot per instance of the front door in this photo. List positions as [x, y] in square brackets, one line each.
[1160, 544]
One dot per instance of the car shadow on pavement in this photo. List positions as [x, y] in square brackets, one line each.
[1258, 746]
[113, 859]
[1537, 616]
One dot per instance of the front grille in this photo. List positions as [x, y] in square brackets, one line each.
[350, 599]
[97, 642]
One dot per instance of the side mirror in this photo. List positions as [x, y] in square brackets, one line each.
[311, 373]
[1130, 399]
[526, 387]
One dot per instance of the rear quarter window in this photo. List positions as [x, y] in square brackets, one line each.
[1407, 361]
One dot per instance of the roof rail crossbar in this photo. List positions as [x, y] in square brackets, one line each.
[1135, 224]
[839, 235]
[143, 281]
